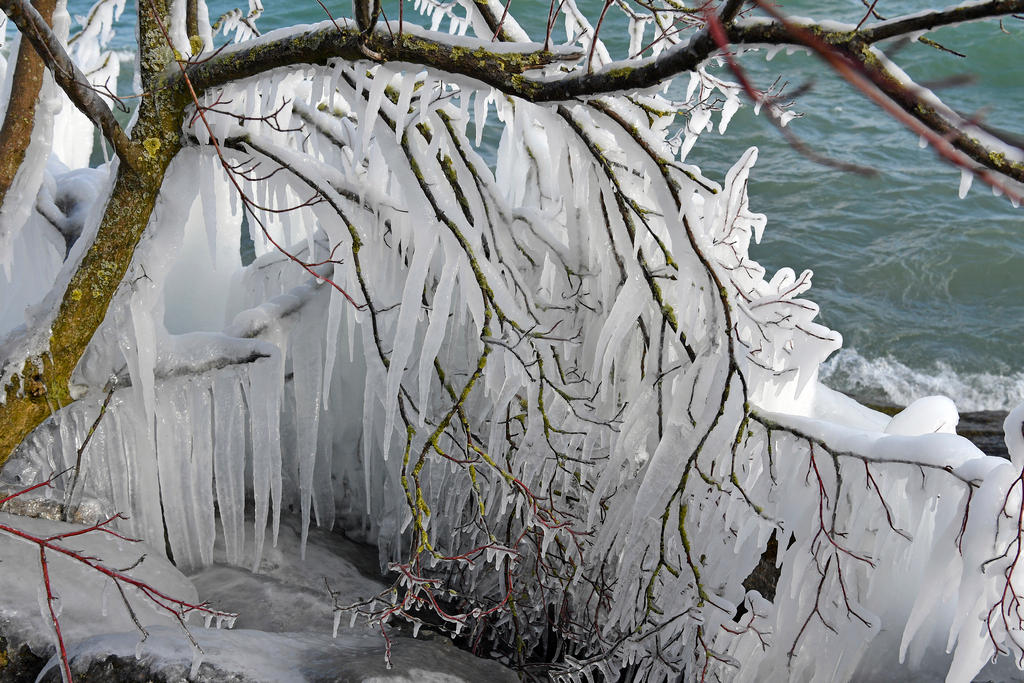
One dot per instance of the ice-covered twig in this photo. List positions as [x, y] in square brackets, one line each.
[179, 609]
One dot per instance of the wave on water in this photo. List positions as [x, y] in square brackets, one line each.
[887, 380]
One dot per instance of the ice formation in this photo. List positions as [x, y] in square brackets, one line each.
[553, 378]
[83, 595]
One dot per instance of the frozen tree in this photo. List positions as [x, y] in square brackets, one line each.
[496, 325]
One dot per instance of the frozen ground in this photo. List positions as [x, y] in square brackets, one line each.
[283, 630]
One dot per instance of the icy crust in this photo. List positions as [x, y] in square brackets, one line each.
[287, 591]
[260, 657]
[456, 39]
[87, 601]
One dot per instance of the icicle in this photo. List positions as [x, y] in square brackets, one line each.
[426, 95]
[201, 473]
[966, 177]
[307, 366]
[481, 102]
[334, 314]
[425, 240]
[229, 461]
[434, 336]
[197, 660]
[174, 451]
[731, 106]
[637, 26]
[406, 90]
[105, 596]
[381, 80]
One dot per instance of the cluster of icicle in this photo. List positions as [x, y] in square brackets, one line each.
[563, 386]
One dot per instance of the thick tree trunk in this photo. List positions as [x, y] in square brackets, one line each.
[40, 391]
[16, 131]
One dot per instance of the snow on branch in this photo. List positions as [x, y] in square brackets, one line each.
[499, 65]
[930, 20]
[519, 70]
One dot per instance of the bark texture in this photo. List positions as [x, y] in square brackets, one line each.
[16, 131]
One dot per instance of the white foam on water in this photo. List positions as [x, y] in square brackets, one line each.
[888, 379]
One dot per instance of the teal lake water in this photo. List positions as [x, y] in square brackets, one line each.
[926, 289]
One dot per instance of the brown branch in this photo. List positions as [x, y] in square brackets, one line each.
[192, 18]
[730, 10]
[927, 21]
[476, 59]
[951, 129]
[16, 132]
[70, 78]
[923, 113]
[495, 22]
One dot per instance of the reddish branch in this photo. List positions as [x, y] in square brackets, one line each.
[853, 58]
[178, 609]
[1009, 607]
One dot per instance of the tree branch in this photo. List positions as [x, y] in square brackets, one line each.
[74, 83]
[730, 10]
[954, 138]
[847, 51]
[927, 21]
[962, 134]
[20, 117]
[508, 71]
[481, 60]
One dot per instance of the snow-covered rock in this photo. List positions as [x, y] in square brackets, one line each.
[87, 600]
[284, 611]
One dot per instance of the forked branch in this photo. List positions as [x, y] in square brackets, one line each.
[71, 79]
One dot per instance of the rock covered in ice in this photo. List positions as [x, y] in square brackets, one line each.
[284, 629]
[244, 656]
[88, 601]
[928, 415]
[288, 593]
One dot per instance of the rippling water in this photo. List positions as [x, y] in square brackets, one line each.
[927, 289]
